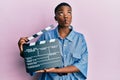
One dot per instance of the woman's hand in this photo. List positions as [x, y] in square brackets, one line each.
[22, 41]
[47, 70]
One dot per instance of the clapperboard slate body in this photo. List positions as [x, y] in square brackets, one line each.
[46, 54]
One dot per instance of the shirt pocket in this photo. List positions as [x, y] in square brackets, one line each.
[75, 57]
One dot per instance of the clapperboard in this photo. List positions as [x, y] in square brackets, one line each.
[42, 55]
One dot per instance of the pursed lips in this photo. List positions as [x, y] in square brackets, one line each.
[66, 21]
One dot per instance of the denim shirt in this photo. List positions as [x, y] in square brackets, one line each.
[74, 52]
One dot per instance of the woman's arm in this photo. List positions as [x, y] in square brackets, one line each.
[68, 69]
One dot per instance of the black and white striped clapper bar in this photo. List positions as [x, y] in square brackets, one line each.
[42, 55]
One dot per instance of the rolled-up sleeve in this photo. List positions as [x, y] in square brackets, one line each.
[82, 54]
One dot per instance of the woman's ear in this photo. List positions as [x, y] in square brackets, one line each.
[55, 18]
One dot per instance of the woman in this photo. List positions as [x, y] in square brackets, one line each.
[72, 44]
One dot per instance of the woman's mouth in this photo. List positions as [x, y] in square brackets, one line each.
[66, 21]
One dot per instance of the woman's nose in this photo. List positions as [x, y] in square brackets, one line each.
[66, 15]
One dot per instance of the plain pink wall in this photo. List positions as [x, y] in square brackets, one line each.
[98, 20]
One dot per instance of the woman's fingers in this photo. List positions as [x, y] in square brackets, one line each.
[40, 71]
[22, 41]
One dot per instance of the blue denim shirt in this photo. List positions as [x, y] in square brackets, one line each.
[74, 52]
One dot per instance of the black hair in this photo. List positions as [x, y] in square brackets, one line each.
[61, 4]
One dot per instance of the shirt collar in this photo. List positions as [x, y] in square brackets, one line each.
[70, 35]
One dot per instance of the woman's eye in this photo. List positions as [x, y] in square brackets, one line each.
[60, 13]
[69, 12]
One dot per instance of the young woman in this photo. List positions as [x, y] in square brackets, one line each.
[72, 44]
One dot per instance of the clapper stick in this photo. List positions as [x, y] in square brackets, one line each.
[40, 32]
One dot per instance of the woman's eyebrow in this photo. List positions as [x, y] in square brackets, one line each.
[60, 10]
[69, 10]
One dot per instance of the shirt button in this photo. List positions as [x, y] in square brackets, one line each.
[64, 45]
[65, 65]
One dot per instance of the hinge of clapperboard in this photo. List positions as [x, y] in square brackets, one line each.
[38, 34]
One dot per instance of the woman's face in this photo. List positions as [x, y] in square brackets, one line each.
[64, 16]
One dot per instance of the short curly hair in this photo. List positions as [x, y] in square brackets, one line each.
[61, 4]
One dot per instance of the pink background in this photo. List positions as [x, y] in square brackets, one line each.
[98, 20]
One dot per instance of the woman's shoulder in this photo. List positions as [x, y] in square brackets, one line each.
[78, 34]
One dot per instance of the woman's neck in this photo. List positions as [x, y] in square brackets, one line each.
[63, 31]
